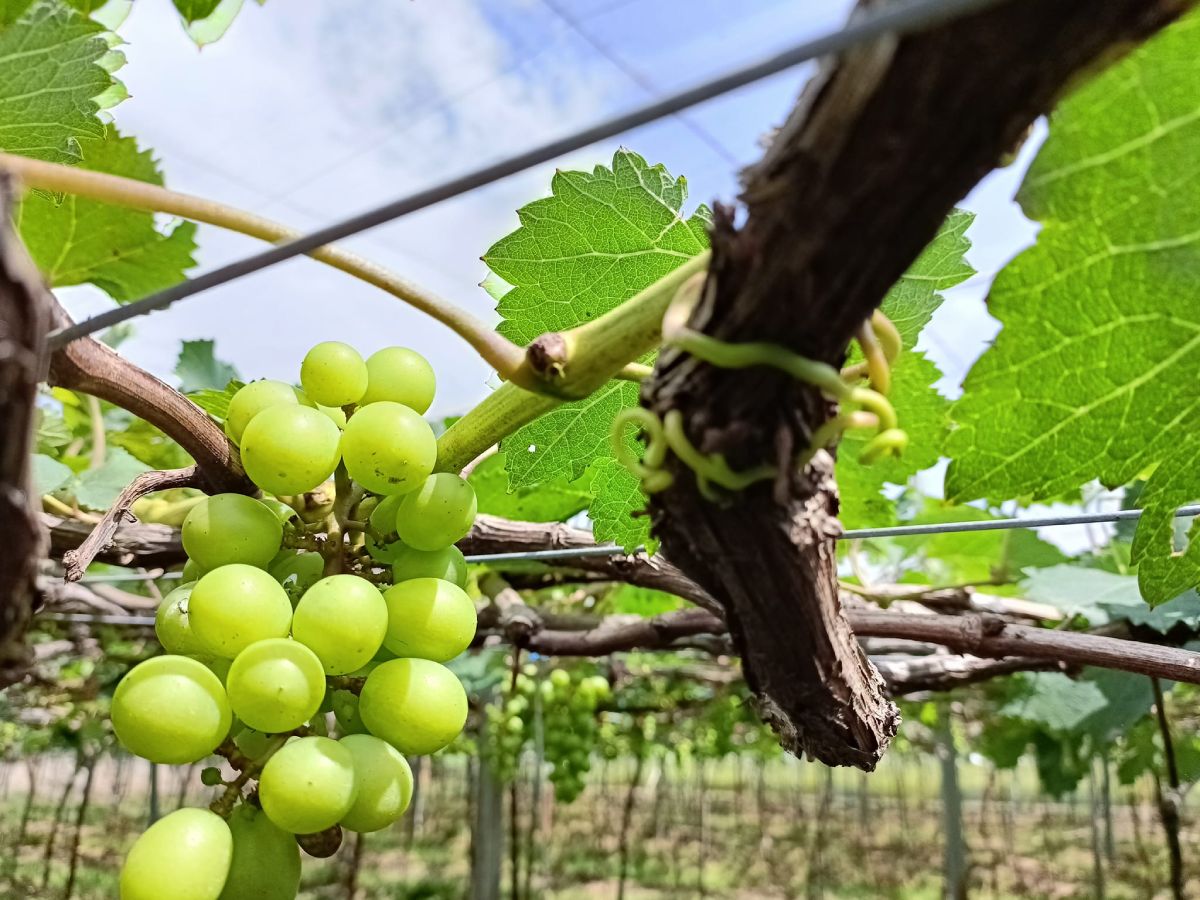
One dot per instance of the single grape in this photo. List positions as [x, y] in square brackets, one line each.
[218, 665]
[333, 374]
[290, 449]
[250, 743]
[210, 776]
[232, 607]
[416, 705]
[383, 516]
[560, 678]
[385, 783]
[266, 860]
[172, 627]
[170, 709]
[252, 399]
[321, 844]
[192, 571]
[308, 785]
[335, 414]
[188, 849]
[345, 710]
[343, 619]
[438, 513]
[429, 618]
[231, 528]
[275, 685]
[388, 448]
[402, 376]
[297, 572]
[447, 564]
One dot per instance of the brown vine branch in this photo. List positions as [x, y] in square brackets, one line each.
[24, 323]
[75, 562]
[143, 544]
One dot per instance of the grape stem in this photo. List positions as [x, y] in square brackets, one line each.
[346, 496]
[507, 358]
[229, 797]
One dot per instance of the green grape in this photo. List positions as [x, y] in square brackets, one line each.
[232, 607]
[172, 627]
[429, 618]
[290, 449]
[218, 665]
[252, 399]
[345, 710]
[333, 374]
[402, 376]
[343, 619]
[266, 859]
[560, 678]
[335, 414]
[275, 685]
[231, 528]
[297, 572]
[210, 776]
[170, 709]
[308, 785]
[438, 513]
[385, 783]
[250, 743]
[388, 448]
[416, 705]
[447, 564]
[191, 571]
[189, 849]
[383, 516]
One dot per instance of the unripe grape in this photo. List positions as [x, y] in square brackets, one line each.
[232, 607]
[438, 513]
[402, 376]
[345, 710]
[308, 785]
[172, 626]
[275, 685]
[429, 618]
[321, 844]
[192, 571]
[250, 743]
[343, 619]
[297, 572]
[188, 849]
[383, 516]
[448, 564]
[252, 399]
[290, 449]
[560, 678]
[385, 783]
[231, 528]
[171, 710]
[210, 776]
[333, 374]
[388, 448]
[266, 860]
[416, 705]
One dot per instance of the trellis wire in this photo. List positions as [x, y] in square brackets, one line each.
[894, 20]
[1120, 515]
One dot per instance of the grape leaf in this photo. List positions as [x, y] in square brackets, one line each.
[98, 488]
[618, 509]
[595, 242]
[207, 20]
[56, 70]
[49, 474]
[1093, 373]
[192, 10]
[550, 501]
[216, 403]
[119, 250]
[199, 369]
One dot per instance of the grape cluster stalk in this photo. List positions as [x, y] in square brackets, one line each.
[308, 639]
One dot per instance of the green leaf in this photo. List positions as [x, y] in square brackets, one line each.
[626, 599]
[207, 20]
[600, 237]
[618, 508]
[119, 250]
[149, 445]
[192, 10]
[99, 487]
[216, 402]
[1094, 372]
[551, 501]
[49, 474]
[52, 432]
[55, 75]
[199, 369]
[1098, 596]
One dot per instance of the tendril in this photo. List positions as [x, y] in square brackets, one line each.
[649, 468]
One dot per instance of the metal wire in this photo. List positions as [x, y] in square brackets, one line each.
[890, 20]
[1121, 515]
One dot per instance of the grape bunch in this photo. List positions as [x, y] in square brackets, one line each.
[307, 650]
[568, 702]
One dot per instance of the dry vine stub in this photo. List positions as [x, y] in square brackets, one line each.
[281, 607]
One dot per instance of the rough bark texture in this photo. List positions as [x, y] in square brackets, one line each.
[24, 323]
[881, 146]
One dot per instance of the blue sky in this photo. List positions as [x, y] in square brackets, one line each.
[310, 110]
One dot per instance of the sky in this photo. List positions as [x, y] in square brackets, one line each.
[311, 110]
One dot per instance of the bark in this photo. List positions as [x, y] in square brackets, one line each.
[24, 324]
[885, 140]
[80, 818]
